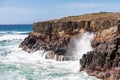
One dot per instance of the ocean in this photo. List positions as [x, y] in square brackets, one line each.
[16, 64]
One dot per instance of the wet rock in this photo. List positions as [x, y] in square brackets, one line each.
[55, 35]
[104, 60]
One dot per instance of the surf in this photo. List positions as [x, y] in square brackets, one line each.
[20, 65]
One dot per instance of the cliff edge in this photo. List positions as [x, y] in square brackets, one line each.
[53, 36]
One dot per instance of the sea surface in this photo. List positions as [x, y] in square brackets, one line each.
[16, 64]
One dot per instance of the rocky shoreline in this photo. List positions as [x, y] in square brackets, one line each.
[54, 37]
[104, 61]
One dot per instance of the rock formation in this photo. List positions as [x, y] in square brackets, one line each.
[54, 36]
[104, 61]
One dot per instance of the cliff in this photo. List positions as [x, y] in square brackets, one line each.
[104, 61]
[54, 36]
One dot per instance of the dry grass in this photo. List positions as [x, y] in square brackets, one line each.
[92, 16]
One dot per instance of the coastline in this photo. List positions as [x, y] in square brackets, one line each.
[55, 35]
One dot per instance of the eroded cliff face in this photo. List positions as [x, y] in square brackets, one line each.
[104, 61]
[54, 36]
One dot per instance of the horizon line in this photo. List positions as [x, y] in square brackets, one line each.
[16, 24]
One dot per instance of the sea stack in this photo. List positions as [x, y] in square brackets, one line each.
[54, 36]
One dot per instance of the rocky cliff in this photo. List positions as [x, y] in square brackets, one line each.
[54, 36]
[104, 61]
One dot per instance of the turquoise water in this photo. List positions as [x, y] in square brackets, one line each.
[16, 64]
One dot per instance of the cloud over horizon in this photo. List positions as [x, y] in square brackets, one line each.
[18, 12]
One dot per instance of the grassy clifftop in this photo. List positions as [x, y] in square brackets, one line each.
[92, 16]
[91, 22]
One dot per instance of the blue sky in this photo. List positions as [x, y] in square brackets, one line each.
[29, 11]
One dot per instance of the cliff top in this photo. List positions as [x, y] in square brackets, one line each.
[91, 22]
[92, 16]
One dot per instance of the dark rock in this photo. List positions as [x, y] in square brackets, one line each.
[105, 55]
[54, 36]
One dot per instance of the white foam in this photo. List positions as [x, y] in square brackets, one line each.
[17, 55]
[12, 37]
[13, 32]
[36, 67]
[20, 32]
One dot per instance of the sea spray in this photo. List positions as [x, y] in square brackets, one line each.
[79, 45]
[20, 65]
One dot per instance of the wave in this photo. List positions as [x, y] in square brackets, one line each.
[37, 65]
[21, 65]
[14, 32]
[12, 37]
[19, 56]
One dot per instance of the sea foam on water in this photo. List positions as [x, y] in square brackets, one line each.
[20, 65]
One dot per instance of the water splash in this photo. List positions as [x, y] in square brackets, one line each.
[20, 65]
[79, 45]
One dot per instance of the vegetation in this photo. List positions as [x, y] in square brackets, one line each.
[92, 16]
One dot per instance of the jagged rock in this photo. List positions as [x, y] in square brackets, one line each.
[104, 61]
[54, 36]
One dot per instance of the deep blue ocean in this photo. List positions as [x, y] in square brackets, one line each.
[11, 29]
[16, 64]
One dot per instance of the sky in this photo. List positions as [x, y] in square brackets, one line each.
[30, 11]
